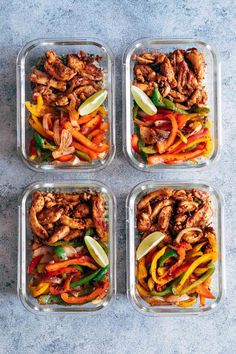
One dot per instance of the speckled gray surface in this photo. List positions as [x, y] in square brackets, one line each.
[120, 329]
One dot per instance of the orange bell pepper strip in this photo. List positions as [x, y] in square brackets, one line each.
[134, 143]
[212, 240]
[98, 139]
[202, 300]
[142, 292]
[85, 119]
[184, 156]
[93, 155]
[95, 132]
[104, 126]
[142, 273]
[91, 125]
[37, 127]
[202, 290]
[163, 146]
[66, 286]
[83, 299]
[83, 260]
[65, 158]
[86, 142]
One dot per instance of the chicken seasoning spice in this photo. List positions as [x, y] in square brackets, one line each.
[171, 85]
[177, 269]
[69, 248]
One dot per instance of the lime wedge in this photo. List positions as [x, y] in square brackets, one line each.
[148, 244]
[96, 251]
[93, 102]
[143, 101]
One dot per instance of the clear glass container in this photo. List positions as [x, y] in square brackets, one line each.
[25, 253]
[218, 283]
[26, 59]
[211, 82]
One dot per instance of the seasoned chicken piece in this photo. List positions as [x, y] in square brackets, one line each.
[37, 201]
[59, 234]
[201, 217]
[186, 206]
[85, 91]
[42, 78]
[55, 67]
[182, 195]
[92, 72]
[142, 60]
[75, 63]
[166, 70]
[182, 77]
[165, 90]
[49, 200]
[199, 96]
[149, 58]
[143, 222]
[76, 223]
[177, 96]
[35, 244]
[98, 212]
[36, 227]
[156, 195]
[70, 197]
[164, 217]
[49, 216]
[157, 208]
[199, 194]
[61, 100]
[74, 234]
[148, 135]
[144, 73]
[82, 210]
[197, 61]
[48, 96]
[179, 222]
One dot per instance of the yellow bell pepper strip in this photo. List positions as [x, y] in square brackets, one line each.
[203, 259]
[184, 156]
[35, 109]
[200, 270]
[39, 289]
[161, 271]
[83, 299]
[212, 240]
[151, 284]
[187, 303]
[182, 137]
[142, 292]
[142, 273]
[176, 273]
[83, 260]
[37, 126]
[197, 247]
[194, 255]
[179, 146]
[153, 269]
[163, 146]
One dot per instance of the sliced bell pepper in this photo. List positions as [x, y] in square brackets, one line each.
[65, 158]
[35, 261]
[32, 148]
[200, 270]
[201, 289]
[187, 303]
[164, 292]
[134, 143]
[101, 274]
[155, 117]
[203, 259]
[67, 283]
[150, 255]
[98, 138]
[83, 299]
[94, 133]
[142, 292]
[104, 126]
[193, 138]
[91, 125]
[151, 284]
[162, 158]
[85, 280]
[162, 102]
[93, 155]
[199, 281]
[50, 300]
[167, 255]
[142, 273]
[39, 289]
[86, 142]
[37, 127]
[163, 146]
[153, 269]
[83, 156]
[59, 250]
[83, 260]
[202, 300]
[43, 144]
[54, 273]
[212, 240]
[176, 273]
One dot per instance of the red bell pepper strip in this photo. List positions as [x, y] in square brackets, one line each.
[65, 158]
[134, 143]
[164, 111]
[99, 138]
[180, 146]
[32, 148]
[163, 146]
[60, 271]
[83, 299]
[181, 269]
[83, 260]
[162, 158]
[67, 282]
[33, 264]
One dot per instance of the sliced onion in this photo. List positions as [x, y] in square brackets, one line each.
[158, 123]
[185, 231]
[56, 132]
[59, 152]
[75, 161]
[56, 280]
[70, 251]
[66, 139]
[42, 251]
[79, 250]
[164, 133]
[176, 298]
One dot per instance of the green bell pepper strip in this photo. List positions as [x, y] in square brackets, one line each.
[168, 290]
[202, 110]
[135, 111]
[76, 266]
[83, 155]
[89, 232]
[167, 255]
[50, 300]
[141, 145]
[67, 243]
[148, 150]
[42, 143]
[85, 280]
[102, 274]
[162, 102]
[59, 250]
[198, 282]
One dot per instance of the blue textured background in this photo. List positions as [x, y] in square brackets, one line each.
[120, 329]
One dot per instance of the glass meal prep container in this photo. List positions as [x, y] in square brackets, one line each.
[27, 58]
[218, 279]
[25, 252]
[211, 83]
